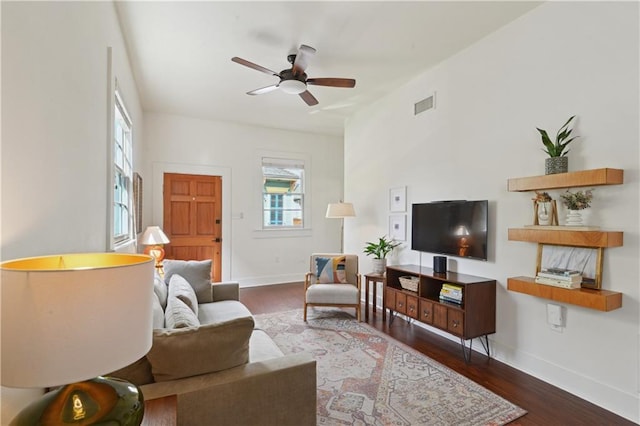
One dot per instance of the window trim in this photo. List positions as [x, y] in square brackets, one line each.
[114, 99]
[303, 159]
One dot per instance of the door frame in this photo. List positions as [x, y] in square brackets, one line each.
[160, 168]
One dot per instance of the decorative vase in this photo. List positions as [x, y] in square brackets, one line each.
[574, 218]
[544, 213]
[553, 165]
[379, 266]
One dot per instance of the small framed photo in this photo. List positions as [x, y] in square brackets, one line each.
[398, 199]
[588, 261]
[398, 227]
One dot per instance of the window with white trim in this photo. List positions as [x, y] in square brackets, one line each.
[282, 193]
[122, 173]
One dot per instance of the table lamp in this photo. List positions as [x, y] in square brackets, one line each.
[154, 238]
[69, 319]
[340, 211]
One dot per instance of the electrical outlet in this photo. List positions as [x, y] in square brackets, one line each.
[555, 317]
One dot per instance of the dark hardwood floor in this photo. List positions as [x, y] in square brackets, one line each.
[546, 404]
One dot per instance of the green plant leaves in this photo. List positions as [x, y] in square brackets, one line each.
[380, 249]
[557, 149]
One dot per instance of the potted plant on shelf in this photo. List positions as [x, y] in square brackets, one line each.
[574, 202]
[558, 162]
[379, 251]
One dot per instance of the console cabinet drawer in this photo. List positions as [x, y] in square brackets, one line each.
[412, 307]
[440, 316]
[401, 303]
[455, 322]
[426, 311]
[390, 298]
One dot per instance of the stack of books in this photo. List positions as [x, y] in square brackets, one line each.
[559, 277]
[451, 293]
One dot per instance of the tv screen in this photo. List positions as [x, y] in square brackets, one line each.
[455, 228]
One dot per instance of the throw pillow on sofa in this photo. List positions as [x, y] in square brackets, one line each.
[192, 351]
[196, 272]
[180, 288]
[179, 315]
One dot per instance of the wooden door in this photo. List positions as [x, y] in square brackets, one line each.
[193, 219]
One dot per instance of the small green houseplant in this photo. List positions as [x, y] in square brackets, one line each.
[557, 151]
[379, 251]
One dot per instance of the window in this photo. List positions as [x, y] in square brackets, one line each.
[122, 174]
[282, 193]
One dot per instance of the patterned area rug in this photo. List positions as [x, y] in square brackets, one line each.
[367, 378]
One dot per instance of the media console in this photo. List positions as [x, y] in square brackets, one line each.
[475, 317]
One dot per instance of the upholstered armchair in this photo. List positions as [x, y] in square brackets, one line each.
[332, 280]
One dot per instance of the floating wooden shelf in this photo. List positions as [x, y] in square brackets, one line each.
[601, 300]
[566, 237]
[593, 177]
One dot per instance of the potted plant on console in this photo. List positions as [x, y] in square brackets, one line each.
[558, 162]
[379, 251]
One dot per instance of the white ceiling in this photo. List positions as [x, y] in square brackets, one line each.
[181, 52]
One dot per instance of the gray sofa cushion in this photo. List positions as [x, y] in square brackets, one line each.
[138, 373]
[180, 288]
[179, 315]
[193, 351]
[160, 289]
[196, 272]
[225, 310]
[158, 313]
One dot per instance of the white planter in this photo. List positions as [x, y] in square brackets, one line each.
[379, 266]
[574, 218]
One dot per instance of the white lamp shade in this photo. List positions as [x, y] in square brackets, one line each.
[153, 235]
[73, 317]
[340, 210]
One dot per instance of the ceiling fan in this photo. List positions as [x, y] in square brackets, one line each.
[294, 80]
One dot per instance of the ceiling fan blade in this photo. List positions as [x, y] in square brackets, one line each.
[308, 98]
[302, 59]
[254, 66]
[263, 90]
[332, 82]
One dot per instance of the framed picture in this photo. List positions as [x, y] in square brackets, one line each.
[586, 260]
[137, 201]
[398, 227]
[398, 199]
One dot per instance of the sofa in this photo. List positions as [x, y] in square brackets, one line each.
[207, 351]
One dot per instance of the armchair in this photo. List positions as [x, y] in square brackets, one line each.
[333, 280]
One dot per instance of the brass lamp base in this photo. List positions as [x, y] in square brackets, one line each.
[100, 401]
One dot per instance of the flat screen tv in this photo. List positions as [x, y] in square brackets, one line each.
[454, 228]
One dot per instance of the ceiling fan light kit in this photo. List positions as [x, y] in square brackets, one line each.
[292, 87]
[294, 81]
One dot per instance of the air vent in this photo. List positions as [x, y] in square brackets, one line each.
[424, 105]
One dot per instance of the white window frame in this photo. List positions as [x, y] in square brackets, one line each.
[302, 160]
[125, 169]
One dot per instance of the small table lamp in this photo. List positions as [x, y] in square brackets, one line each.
[154, 238]
[70, 318]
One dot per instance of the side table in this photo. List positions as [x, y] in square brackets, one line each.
[374, 278]
[161, 411]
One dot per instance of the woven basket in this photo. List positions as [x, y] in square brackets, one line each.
[409, 283]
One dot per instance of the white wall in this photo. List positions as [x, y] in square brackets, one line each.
[54, 131]
[186, 145]
[562, 58]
